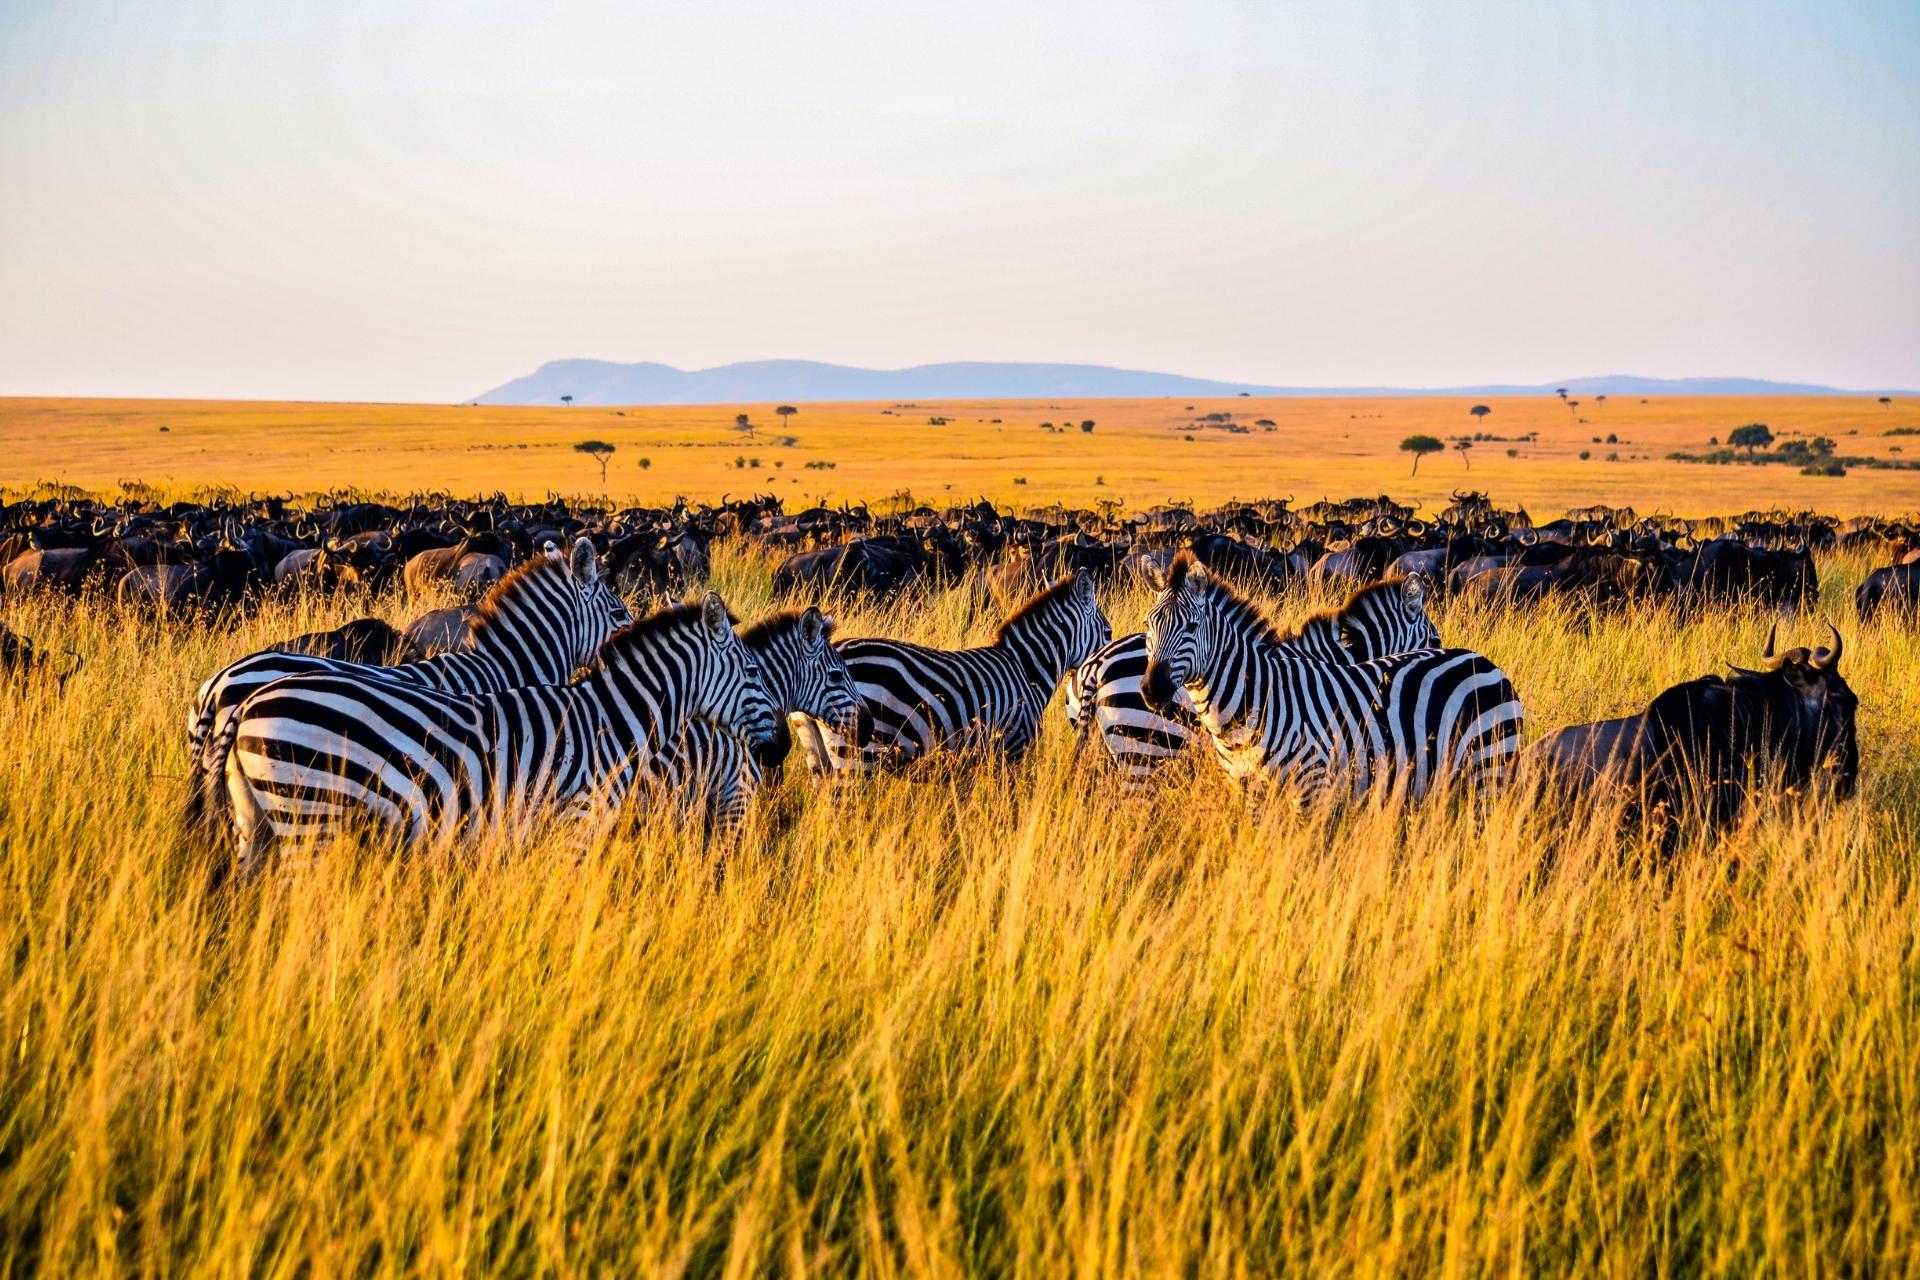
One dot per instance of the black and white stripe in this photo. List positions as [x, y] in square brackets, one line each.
[714, 775]
[991, 698]
[1403, 724]
[537, 626]
[1106, 698]
[313, 754]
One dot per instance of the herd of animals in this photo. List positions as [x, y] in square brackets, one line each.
[547, 700]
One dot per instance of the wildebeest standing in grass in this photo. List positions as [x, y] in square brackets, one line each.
[1701, 747]
[1895, 588]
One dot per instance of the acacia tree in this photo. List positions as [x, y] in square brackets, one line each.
[1419, 447]
[743, 423]
[567, 399]
[1480, 412]
[1463, 445]
[600, 451]
[786, 412]
[1750, 437]
[1886, 402]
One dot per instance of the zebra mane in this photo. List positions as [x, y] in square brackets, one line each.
[1057, 591]
[1321, 617]
[763, 633]
[658, 623]
[517, 580]
[1236, 607]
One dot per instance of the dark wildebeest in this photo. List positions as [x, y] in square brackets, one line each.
[1701, 746]
[1896, 587]
[369, 640]
[442, 630]
[19, 659]
[860, 565]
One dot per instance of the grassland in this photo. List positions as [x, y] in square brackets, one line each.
[988, 1021]
[1139, 452]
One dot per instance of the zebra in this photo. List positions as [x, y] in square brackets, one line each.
[926, 700]
[1104, 693]
[315, 753]
[713, 774]
[536, 626]
[1406, 723]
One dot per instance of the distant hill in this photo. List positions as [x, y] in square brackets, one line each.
[603, 382]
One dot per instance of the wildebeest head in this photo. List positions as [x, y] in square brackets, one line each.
[1811, 711]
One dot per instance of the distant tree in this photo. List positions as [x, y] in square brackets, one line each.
[1886, 402]
[1419, 447]
[786, 411]
[1561, 392]
[566, 399]
[1573, 406]
[1480, 412]
[600, 451]
[1087, 426]
[1750, 437]
[1463, 445]
[646, 463]
[1599, 399]
[743, 423]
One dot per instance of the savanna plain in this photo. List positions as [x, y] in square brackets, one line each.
[978, 1020]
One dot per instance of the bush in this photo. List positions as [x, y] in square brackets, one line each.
[1019, 479]
[1824, 467]
[646, 463]
[1585, 454]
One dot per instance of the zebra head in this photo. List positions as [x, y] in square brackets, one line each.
[806, 676]
[550, 616]
[727, 686]
[1180, 629]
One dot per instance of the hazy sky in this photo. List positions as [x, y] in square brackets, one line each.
[418, 200]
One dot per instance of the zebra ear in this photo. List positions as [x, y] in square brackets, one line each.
[1155, 579]
[581, 565]
[1083, 584]
[813, 628]
[713, 612]
[1415, 589]
[1195, 580]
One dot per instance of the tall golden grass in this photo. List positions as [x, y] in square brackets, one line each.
[991, 1020]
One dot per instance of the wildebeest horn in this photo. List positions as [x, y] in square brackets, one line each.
[1772, 631]
[1829, 659]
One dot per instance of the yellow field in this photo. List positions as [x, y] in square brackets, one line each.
[1137, 453]
[990, 1022]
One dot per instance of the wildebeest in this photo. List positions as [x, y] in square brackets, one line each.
[19, 659]
[369, 640]
[442, 630]
[1896, 587]
[1702, 746]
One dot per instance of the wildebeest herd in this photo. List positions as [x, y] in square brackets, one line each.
[545, 698]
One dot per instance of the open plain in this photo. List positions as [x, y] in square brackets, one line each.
[1140, 452]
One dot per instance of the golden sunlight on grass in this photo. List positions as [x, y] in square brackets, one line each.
[989, 1021]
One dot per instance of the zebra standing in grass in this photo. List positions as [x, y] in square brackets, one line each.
[537, 626]
[714, 775]
[1402, 724]
[317, 753]
[1105, 693]
[991, 698]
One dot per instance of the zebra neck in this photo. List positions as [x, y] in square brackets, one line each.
[521, 653]
[779, 668]
[1244, 690]
[1041, 651]
[641, 709]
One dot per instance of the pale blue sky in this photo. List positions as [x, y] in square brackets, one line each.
[418, 200]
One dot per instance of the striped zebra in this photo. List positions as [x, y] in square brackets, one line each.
[714, 775]
[1406, 723]
[991, 698]
[537, 626]
[314, 754]
[1105, 695]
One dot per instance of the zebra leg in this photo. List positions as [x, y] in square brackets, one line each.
[253, 836]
